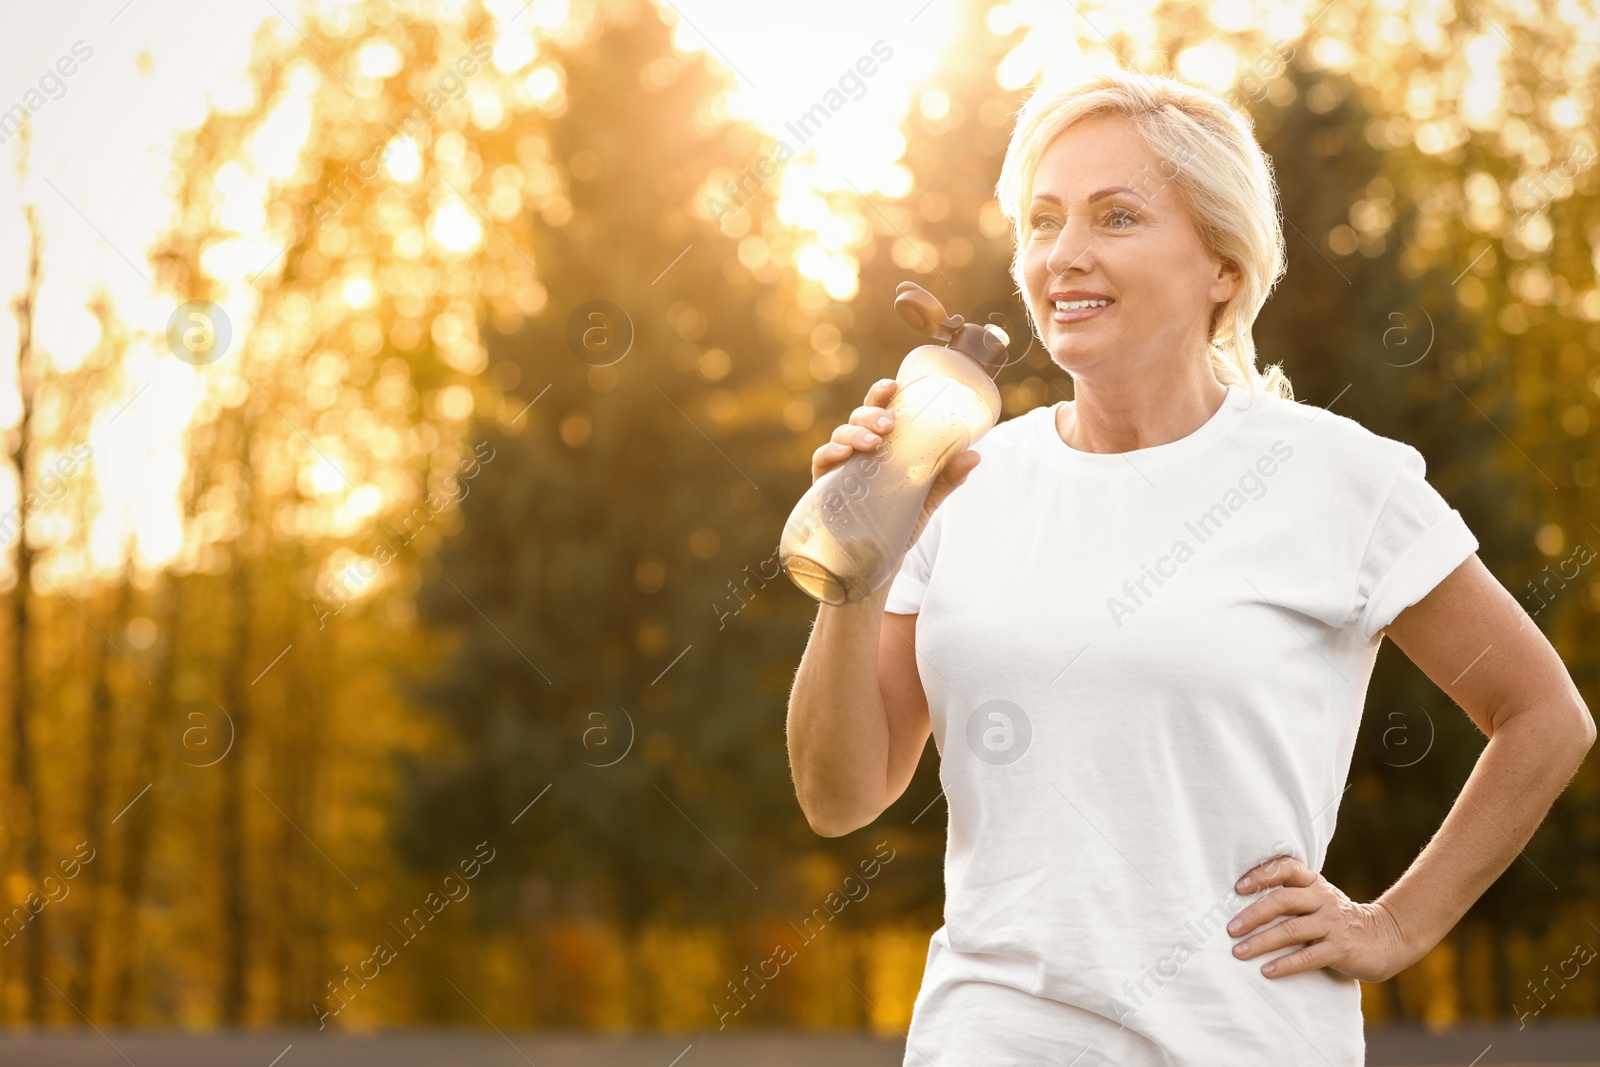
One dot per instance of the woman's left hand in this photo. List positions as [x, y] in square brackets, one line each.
[1359, 940]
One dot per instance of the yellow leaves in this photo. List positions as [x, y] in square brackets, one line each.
[894, 958]
[512, 52]
[378, 59]
[576, 429]
[714, 364]
[1212, 64]
[542, 85]
[454, 228]
[403, 160]
[450, 147]
[358, 292]
[455, 332]
[455, 403]
[531, 296]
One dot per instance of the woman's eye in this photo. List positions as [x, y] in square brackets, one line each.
[1118, 218]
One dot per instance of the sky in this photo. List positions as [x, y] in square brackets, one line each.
[146, 70]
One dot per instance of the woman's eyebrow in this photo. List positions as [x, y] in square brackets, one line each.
[1101, 195]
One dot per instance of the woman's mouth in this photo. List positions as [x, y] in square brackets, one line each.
[1078, 310]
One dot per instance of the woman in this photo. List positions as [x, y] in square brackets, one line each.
[1141, 636]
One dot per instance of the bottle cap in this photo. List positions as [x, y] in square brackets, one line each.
[981, 344]
[922, 311]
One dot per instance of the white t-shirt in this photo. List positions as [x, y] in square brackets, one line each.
[1145, 671]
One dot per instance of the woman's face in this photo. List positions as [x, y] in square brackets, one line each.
[1107, 223]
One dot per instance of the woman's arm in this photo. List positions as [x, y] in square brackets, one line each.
[858, 717]
[1472, 638]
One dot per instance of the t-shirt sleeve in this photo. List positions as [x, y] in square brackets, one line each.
[908, 587]
[1416, 541]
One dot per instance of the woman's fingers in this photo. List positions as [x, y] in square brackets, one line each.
[1279, 870]
[1292, 901]
[873, 418]
[855, 436]
[959, 466]
[862, 433]
[828, 456]
[1296, 930]
[846, 440]
[1362, 941]
[1313, 957]
[1299, 898]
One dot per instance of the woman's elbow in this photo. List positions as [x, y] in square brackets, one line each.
[1572, 735]
[830, 821]
[1586, 729]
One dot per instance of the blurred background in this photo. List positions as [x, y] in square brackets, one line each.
[408, 400]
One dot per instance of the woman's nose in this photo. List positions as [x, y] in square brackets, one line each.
[1073, 249]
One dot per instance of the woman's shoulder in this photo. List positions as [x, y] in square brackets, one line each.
[1352, 465]
[1324, 429]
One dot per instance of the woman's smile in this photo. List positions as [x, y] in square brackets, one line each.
[1073, 311]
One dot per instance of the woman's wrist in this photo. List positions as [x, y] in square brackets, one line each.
[1418, 928]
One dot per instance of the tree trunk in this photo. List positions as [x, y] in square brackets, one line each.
[95, 789]
[25, 807]
[141, 818]
[234, 991]
[300, 948]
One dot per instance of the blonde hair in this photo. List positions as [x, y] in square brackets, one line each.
[1219, 172]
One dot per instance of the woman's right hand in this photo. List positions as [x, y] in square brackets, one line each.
[865, 432]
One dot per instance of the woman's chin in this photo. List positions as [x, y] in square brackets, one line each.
[1071, 356]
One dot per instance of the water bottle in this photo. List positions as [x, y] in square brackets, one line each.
[847, 535]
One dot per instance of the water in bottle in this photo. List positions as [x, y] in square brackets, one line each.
[849, 532]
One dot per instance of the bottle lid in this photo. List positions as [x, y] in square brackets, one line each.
[982, 344]
[922, 311]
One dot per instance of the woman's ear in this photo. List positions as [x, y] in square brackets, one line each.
[1228, 280]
